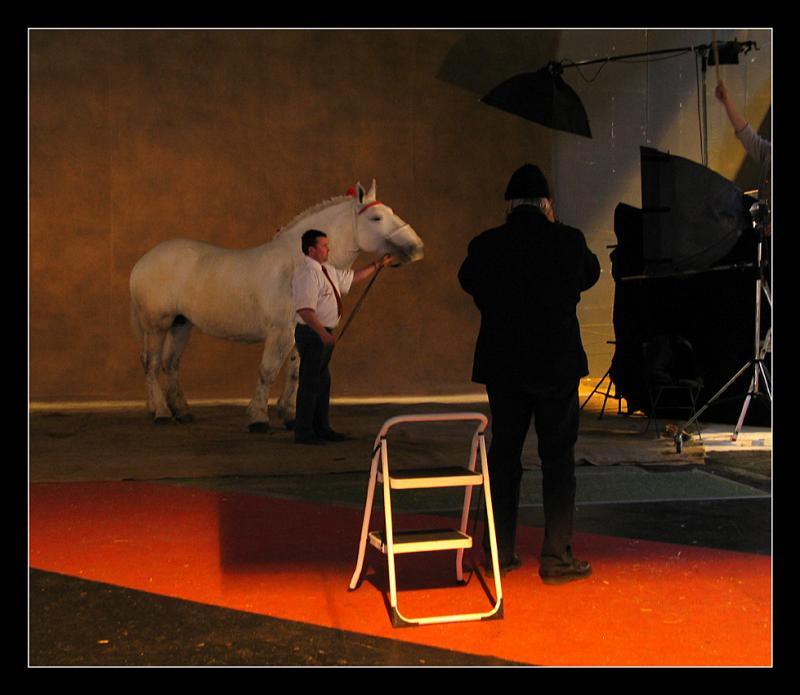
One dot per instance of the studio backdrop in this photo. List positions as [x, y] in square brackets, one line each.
[138, 136]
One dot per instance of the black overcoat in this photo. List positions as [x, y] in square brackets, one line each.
[526, 278]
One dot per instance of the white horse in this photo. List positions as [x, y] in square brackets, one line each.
[246, 295]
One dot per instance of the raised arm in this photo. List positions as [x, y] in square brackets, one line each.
[737, 120]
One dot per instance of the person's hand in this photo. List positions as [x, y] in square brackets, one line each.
[721, 91]
[328, 339]
[382, 263]
[550, 211]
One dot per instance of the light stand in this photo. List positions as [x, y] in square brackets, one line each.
[759, 370]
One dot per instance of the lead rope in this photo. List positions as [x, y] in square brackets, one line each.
[371, 282]
[358, 304]
[377, 272]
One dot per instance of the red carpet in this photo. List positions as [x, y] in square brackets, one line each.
[647, 603]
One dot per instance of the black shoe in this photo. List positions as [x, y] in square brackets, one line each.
[316, 441]
[335, 437]
[505, 567]
[567, 572]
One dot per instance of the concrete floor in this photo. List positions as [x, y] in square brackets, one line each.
[716, 499]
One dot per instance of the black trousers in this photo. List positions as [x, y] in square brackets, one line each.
[314, 385]
[555, 412]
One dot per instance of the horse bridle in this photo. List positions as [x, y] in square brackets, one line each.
[389, 236]
[377, 272]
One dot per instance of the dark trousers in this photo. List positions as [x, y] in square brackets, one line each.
[555, 413]
[314, 385]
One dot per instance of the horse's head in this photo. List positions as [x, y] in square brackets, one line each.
[379, 230]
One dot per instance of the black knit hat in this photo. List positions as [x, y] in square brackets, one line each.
[527, 182]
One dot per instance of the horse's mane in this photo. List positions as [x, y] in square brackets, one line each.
[308, 212]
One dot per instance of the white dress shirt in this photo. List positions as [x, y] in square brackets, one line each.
[312, 290]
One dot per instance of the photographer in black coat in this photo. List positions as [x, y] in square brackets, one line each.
[526, 278]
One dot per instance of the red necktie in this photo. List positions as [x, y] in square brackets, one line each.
[335, 293]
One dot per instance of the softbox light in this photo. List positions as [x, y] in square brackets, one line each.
[691, 216]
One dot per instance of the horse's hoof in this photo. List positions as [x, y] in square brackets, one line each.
[256, 427]
[289, 424]
[185, 419]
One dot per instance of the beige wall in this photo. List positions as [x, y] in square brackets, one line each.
[224, 136]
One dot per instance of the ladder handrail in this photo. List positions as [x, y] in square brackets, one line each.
[433, 417]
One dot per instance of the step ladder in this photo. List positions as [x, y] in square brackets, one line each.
[392, 543]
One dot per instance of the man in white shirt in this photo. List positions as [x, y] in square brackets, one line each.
[318, 288]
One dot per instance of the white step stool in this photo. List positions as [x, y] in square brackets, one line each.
[393, 543]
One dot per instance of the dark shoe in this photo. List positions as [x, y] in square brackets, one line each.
[335, 437]
[567, 572]
[505, 567]
[315, 441]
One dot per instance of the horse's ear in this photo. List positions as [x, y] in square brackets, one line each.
[360, 193]
[372, 195]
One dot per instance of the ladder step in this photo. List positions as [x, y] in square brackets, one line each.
[432, 477]
[422, 540]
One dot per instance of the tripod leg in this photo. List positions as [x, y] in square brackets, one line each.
[605, 400]
[742, 415]
[713, 398]
[599, 384]
[765, 348]
[693, 397]
[766, 377]
[760, 347]
[754, 385]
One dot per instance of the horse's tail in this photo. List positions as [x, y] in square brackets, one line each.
[136, 324]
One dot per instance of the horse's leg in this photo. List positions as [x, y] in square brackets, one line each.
[288, 400]
[276, 348]
[174, 346]
[151, 361]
